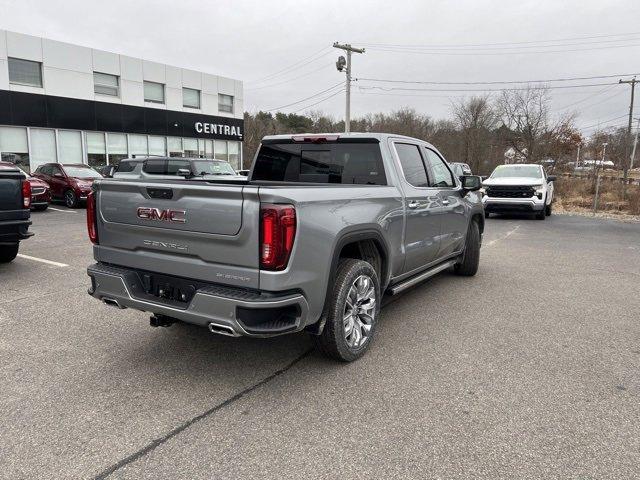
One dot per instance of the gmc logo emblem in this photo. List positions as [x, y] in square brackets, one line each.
[166, 215]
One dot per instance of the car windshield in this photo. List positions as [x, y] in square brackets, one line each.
[208, 167]
[512, 171]
[81, 172]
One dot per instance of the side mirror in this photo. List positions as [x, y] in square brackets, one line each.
[551, 178]
[471, 183]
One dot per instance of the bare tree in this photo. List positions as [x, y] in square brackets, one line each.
[526, 115]
[475, 119]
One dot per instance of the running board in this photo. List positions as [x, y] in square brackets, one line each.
[402, 286]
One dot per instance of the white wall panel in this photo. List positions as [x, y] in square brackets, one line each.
[106, 62]
[191, 79]
[174, 77]
[131, 68]
[67, 56]
[209, 104]
[210, 84]
[66, 83]
[3, 44]
[238, 89]
[173, 97]
[131, 93]
[226, 86]
[24, 46]
[154, 72]
[4, 74]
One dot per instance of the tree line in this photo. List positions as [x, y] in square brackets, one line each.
[479, 131]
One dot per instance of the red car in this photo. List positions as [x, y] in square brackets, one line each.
[70, 183]
[40, 191]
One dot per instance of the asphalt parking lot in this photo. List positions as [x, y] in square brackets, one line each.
[531, 369]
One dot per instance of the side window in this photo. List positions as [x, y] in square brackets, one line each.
[412, 166]
[441, 174]
[55, 169]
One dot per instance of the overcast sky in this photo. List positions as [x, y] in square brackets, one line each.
[276, 47]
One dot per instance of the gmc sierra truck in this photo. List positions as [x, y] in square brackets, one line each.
[15, 203]
[322, 227]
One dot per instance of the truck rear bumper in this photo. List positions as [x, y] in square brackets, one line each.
[14, 231]
[225, 310]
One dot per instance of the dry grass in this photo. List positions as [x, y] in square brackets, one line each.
[577, 194]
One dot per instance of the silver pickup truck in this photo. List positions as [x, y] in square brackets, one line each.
[323, 226]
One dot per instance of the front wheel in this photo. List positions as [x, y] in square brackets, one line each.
[70, 199]
[468, 265]
[352, 311]
[8, 252]
[547, 210]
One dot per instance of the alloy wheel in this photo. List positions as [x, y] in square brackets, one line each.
[359, 311]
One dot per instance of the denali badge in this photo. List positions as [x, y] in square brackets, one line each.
[166, 215]
[155, 243]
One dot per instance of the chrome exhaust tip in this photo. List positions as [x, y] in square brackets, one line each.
[223, 330]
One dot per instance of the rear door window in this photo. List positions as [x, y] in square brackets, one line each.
[165, 166]
[341, 162]
[412, 165]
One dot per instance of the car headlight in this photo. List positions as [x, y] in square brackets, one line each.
[539, 191]
[483, 191]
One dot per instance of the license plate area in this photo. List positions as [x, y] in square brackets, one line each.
[168, 289]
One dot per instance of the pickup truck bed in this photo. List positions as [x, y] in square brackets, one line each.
[261, 256]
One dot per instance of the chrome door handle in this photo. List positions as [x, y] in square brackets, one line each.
[414, 204]
[445, 202]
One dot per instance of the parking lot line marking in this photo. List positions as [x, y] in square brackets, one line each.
[43, 260]
[506, 235]
[60, 210]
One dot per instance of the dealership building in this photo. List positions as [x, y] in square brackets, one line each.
[71, 104]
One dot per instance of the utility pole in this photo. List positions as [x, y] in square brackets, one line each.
[631, 82]
[341, 64]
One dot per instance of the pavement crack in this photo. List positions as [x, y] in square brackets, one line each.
[181, 428]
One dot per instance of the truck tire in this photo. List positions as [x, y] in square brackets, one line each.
[542, 214]
[352, 311]
[486, 214]
[8, 252]
[547, 210]
[70, 199]
[468, 265]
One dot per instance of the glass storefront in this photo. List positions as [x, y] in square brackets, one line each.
[31, 147]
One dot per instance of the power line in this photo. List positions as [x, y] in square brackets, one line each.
[290, 79]
[458, 53]
[493, 82]
[609, 88]
[506, 43]
[305, 99]
[543, 87]
[298, 64]
[320, 101]
[604, 121]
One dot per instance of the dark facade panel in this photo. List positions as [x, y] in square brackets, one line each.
[33, 110]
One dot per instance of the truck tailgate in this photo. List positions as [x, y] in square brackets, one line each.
[193, 229]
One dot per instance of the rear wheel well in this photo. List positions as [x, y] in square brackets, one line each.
[369, 251]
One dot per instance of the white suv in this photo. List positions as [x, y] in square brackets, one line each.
[518, 188]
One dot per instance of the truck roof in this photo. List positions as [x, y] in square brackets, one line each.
[373, 135]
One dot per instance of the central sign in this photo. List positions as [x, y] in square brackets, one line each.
[219, 129]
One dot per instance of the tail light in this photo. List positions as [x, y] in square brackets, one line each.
[92, 218]
[277, 233]
[26, 194]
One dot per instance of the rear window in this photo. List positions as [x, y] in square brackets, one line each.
[165, 166]
[125, 167]
[341, 162]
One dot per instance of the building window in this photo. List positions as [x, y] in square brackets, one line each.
[96, 149]
[116, 147]
[157, 146]
[14, 147]
[234, 155]
[221, 150]
[190, 98]
[190, 146]
[25, 72]
[153, 92]
[70, 146]
[138, 145]
[106, 84]
[43, 146]
[225, 103]
[174, 146]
